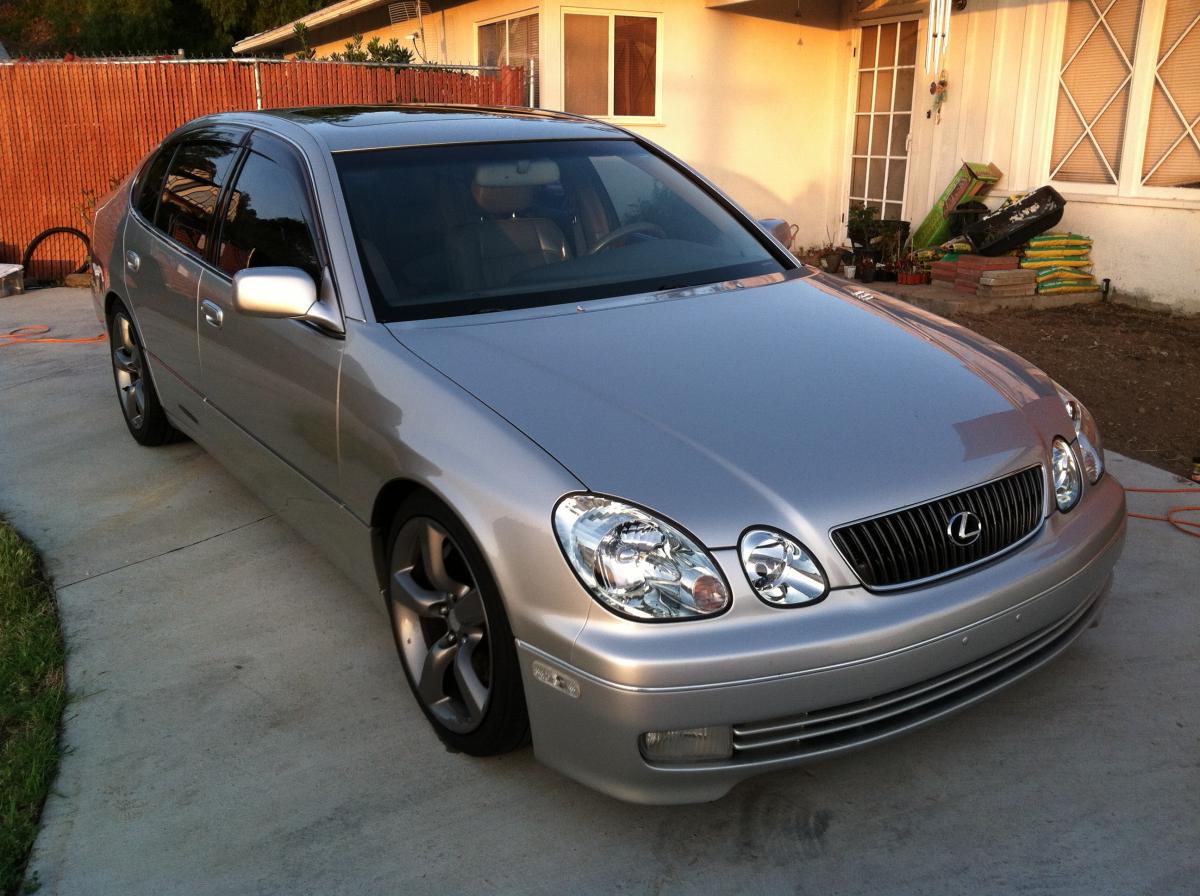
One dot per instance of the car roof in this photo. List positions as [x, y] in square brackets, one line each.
[349, 128]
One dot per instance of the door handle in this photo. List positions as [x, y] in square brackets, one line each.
[132, 262]
[213, 315]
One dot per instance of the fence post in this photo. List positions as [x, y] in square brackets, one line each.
[257, 87]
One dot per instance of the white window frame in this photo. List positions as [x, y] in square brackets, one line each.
[611, 15]
[1129, 187]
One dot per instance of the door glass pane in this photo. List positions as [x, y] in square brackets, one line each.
[858, 178]
[876, 168]
[491, 44]
[887, 45]
[883, 89]
[267, 223]
[866, 89]
[635, 66]
[866, 55]
[900, 125]
[879, 136]
[862, 131]
[189, 197]
[895, 183]
[908, 43]
[904, 89]
[585, 48]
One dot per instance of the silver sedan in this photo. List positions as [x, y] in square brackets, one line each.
[633, 482]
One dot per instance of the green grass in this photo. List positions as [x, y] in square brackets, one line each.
[32, 696]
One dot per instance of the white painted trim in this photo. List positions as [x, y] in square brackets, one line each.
[1192, 204]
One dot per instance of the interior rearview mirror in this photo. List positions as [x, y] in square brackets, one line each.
[282, 293]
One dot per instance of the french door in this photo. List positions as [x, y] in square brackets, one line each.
[887, 68]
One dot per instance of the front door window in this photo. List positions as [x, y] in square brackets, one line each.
[887, 61]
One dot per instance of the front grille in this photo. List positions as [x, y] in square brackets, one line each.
[838, 728]
[912, 545]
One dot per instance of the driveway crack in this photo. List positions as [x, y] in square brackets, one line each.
[182, 547]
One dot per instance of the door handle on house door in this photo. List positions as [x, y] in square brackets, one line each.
[213, 315]
[132, 262]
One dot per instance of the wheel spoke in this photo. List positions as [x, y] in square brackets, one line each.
[474, 692]
[125, 360]
[432, 683]
[125, 331]
[433, 546]
[468, 610]
[407, 593]
[129, 402]
[139, 399]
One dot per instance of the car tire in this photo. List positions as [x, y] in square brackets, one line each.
[451, 631]
[142, 411]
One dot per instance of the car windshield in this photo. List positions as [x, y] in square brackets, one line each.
[464, 229]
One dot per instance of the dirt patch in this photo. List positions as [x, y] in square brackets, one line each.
[1138, 371]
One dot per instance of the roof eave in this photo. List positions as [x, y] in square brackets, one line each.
[325, 16]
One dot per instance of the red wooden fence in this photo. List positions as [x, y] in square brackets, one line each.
[68, 130]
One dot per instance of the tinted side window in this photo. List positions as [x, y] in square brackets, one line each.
[268, 222]
[150, 186]
[189, 195]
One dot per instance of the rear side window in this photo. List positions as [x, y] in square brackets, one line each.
[150, 186]
[190, 192]
[268, 222]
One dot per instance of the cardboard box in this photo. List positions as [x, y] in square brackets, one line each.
[972, 180]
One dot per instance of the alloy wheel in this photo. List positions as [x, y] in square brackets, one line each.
[441, 625]
[129, 367]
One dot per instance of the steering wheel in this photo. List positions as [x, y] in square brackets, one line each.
[636, 227]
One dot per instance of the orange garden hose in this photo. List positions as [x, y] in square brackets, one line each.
[1187, 527]
[37, 333]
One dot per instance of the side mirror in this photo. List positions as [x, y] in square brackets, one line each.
[783, 232]
[282, 293]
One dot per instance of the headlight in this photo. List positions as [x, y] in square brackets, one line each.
[780, 570]
[1068, 485]
[1087, 434]
[635, 563]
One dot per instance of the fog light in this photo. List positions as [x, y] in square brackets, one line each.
[688, 744]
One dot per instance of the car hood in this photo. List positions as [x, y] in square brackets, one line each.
[795, 404]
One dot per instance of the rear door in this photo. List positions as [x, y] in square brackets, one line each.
[276, 379]
[165, 244]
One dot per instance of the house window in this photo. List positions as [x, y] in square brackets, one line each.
[513, 41]
[611, 64]
[1128, 111]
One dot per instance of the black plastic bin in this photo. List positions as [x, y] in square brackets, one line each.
[1014, 225]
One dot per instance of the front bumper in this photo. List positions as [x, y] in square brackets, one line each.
[814, 684]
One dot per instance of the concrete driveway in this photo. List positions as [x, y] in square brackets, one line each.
[241, 724]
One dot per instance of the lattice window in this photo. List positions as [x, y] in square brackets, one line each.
[1172, 157]
[1093, 90]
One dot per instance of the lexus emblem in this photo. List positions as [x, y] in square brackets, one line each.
[964, 528]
